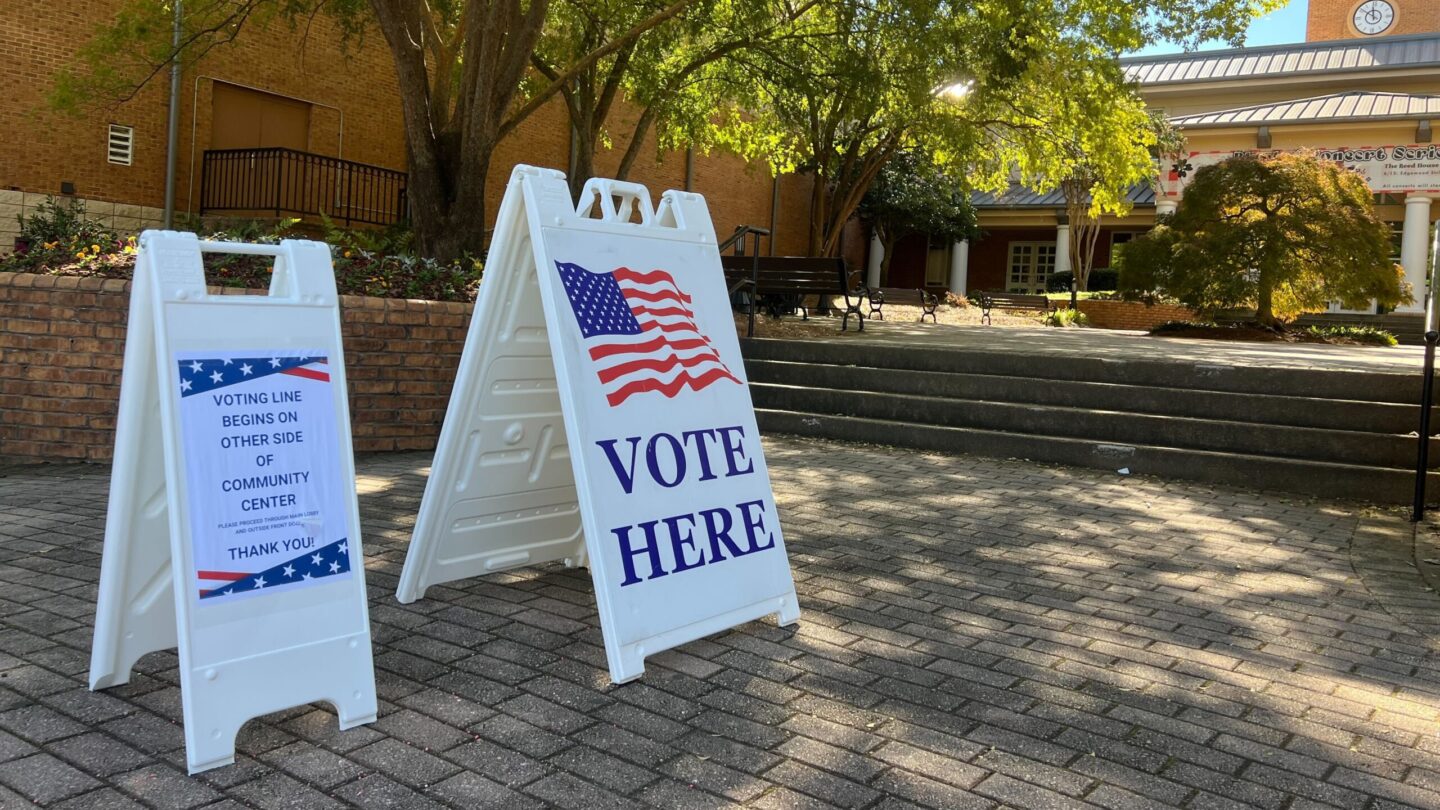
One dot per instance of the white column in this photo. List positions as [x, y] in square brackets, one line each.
[1164, 207]
[1415, 249]
[877, 254]
[959, 266]
[1062, 249]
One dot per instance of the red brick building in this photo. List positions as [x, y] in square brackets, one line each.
[299, 90]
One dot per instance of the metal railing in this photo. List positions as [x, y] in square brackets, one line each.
[280, 181]
[737, 240]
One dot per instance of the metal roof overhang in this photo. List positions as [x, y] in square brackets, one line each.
[1291, 61]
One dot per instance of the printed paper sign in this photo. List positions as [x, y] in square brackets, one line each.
[268, 505]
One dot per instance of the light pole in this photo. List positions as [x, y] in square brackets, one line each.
[172, 141]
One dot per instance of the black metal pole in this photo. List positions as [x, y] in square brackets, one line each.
[1422, 460]
[754, 280]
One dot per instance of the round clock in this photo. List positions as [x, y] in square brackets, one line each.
[1373, 17]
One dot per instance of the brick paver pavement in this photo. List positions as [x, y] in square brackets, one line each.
[977, 633]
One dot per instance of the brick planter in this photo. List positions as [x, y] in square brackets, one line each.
[62, 340]
[1133, 314]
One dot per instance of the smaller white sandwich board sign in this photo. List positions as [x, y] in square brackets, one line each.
[601, 416]
[233, 530]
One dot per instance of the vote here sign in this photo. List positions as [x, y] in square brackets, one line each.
[601, 417]
[639, 334]
[267, 496]
[679, 517]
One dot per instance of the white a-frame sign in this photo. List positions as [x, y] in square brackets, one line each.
[601, 417]
[233, 530]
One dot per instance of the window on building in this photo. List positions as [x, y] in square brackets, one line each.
[1118, 241]
[1029, 266]
[121, 144]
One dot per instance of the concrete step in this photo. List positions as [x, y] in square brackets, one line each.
[1359, 386]
[1299, 411]
[1314, 478]
[1109, 426]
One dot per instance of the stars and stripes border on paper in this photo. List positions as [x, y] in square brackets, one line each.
[199, 375]
[327, 561]
[640, 331]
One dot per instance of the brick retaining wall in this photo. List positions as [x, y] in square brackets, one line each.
[1132, 314]
[62, 341]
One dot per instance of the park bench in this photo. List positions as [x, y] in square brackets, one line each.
[1006, 300]
[781, 284]
[880, 296]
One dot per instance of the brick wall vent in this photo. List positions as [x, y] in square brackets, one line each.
[122, 144]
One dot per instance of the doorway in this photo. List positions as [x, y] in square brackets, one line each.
[241, 118]
[1029, 266]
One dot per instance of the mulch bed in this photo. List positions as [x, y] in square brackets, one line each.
[1257, 334]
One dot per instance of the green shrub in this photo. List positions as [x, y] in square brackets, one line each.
[1102, 279]
[60, 232]
[63, 241]
[1280, 235]
[360, 272]
[381, 262]
[56, 221]
[1363, 335]
[1182, 326]
[1066, 317]
[1082, 296]
[392, 240]
[1366, 335]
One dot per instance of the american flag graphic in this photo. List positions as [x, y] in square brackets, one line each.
[327, 561]
[198, 376]
[641, 333]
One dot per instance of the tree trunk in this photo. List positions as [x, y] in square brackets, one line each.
[843, 199]
[450, 141]
[582, 158]
[1264, 304]
[637, 142]
[1084, 233]
[817, 217]
[447, 231]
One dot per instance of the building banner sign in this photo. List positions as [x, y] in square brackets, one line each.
[1392, 169]
[601, 417]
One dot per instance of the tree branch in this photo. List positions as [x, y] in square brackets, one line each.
[539, 99]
